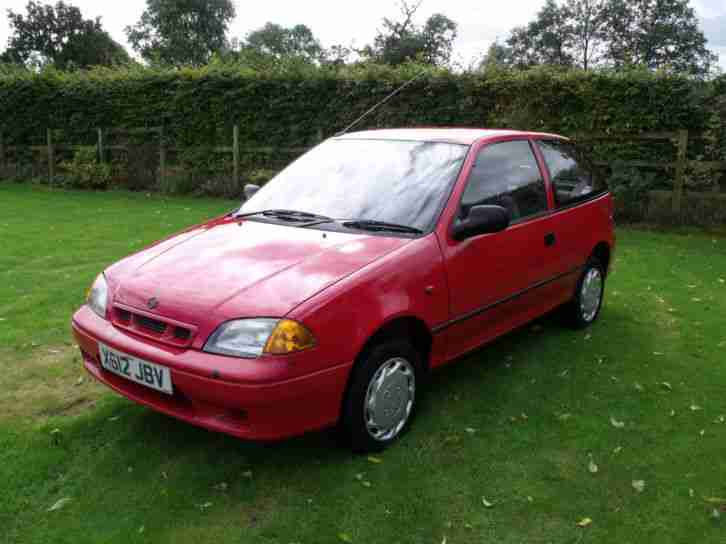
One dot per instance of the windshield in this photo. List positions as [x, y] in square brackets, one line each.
[399, 182]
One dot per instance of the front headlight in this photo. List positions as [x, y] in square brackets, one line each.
[250, 338]
[98, 296]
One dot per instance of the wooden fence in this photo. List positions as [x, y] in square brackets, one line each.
[51, 147]
[680, 166]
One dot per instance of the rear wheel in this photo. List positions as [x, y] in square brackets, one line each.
[585, 307]
[382, 396]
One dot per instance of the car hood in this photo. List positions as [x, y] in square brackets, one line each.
[230, 268]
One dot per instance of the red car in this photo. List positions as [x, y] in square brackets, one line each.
[330, 295]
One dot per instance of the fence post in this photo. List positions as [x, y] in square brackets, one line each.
[235, 153]
[680, 175]
[2, 150]
[162, 158]
[100, 150]
[51, 156]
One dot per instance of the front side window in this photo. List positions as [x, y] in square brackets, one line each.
[571, 176]
[506, 174]
[402, 182]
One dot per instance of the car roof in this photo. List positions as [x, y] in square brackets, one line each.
[465, 136]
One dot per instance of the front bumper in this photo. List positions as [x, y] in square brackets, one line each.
[249, 399]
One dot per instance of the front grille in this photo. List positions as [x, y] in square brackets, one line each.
[159, 327]
[154, 327]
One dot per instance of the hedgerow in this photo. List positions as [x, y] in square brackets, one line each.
[292, 107]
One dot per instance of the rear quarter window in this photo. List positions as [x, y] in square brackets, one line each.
[573, 177]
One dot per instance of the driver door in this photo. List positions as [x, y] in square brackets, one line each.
[493, 278]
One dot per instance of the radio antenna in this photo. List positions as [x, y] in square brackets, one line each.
[379, 104]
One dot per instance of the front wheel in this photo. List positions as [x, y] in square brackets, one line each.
[585, 306]
[382, 396]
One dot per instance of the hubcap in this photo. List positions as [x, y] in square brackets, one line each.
[591, 294]
[389, 399]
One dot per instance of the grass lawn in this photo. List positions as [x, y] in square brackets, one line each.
[547, 425]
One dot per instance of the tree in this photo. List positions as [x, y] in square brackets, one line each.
[178, 32]
[400, 41]
[497, 56]
[658, 34]
[280, 42]
[59, 35]
[588, 28]
[546, 40]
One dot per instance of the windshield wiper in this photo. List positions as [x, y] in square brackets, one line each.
[369, 224]
[288, 215]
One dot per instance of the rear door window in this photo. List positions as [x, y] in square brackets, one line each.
[506, 174]
[573, 178]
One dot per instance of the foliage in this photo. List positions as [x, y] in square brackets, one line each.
[85, 171]
[656, 34]
[278, 42]
[59, 35]
[498, 56]
[181, 32]
[402, 41]
[660, 35]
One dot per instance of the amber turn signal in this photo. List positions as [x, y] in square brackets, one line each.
[288, 337]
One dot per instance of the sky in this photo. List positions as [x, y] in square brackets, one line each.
[346, 22]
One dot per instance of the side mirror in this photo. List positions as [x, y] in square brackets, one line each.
[250, 190]
[482, 220]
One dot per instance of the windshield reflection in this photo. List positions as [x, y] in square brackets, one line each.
[399, 182]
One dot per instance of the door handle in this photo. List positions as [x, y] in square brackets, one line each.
[550, 239]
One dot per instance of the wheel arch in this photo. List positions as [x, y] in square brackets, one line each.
[602, 253]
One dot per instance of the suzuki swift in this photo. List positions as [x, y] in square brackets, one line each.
[332, 292]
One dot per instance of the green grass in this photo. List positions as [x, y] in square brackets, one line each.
[517, 423]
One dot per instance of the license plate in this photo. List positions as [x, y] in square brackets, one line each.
[143, 372]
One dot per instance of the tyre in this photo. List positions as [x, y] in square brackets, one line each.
[382, 395]
[585, 306]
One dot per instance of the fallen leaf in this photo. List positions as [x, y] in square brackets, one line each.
[584, 522]
[141, 529]
[638, 387]
[359, 476]
[639, 485]
[673, 413]
[691, 493]
[703, 432]
[366, 483]
[60, 503]
[618, 450]
[617, 424]
[530, 499]
[667, 386]
[486, 503]
[375, 460]
[345, 537]
[470, 430]
[592, 467]
[695, 408]
[564, 373]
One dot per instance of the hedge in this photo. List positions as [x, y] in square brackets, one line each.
[199, 106]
